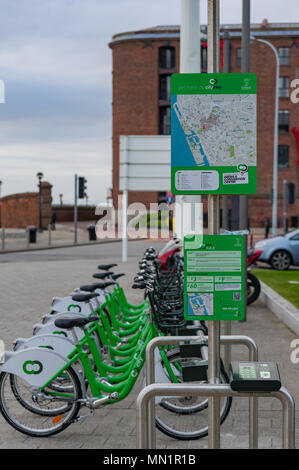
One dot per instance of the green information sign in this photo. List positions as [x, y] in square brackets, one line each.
[213, 133]
[214, 277]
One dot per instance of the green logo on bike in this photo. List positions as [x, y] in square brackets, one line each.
[32, 367]
[74, 308]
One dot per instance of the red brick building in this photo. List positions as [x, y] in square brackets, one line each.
[143, 62]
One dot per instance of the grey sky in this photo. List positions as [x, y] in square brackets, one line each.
[56, 65]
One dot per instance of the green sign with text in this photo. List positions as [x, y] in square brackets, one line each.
[213, 133]
[214, 277]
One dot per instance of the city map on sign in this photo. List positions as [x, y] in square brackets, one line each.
[213, 133]
[200, 304]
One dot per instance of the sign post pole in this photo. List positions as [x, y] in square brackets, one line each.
[243, 208]
[284, 214]
[226, 69]
[124, 225]
[76, 211]
[125, 204]
[213, 228]
[208, 157]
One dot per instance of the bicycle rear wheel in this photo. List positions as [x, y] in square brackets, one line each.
[36, 413]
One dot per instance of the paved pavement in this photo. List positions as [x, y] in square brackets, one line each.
[17, 239]
[29, 280]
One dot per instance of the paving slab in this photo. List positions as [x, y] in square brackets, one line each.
[28, 282]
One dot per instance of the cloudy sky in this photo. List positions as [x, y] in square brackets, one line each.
[56, 65]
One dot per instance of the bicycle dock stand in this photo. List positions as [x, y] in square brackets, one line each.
[211, 390]
[176, 340]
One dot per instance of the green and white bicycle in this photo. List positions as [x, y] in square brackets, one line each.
[42, 390]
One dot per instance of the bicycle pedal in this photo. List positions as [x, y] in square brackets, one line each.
[78, 419]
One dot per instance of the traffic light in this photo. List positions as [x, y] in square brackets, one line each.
[82, 187]
[292, 193]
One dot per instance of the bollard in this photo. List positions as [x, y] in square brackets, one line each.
[27, 238]
[50, 235]
[3, 239]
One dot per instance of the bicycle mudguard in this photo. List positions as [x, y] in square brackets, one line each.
[64, 304]
[34, 365]
[57, 343]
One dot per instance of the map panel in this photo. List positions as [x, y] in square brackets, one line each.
[201, 304]
[213, 133]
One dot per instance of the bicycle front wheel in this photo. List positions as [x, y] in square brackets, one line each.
[39, 413]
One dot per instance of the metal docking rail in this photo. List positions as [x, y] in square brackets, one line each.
[146, 432]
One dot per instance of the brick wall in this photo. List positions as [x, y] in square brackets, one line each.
[19, 210]
[66, 213]
[22, 209]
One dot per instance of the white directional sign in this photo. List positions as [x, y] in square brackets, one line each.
[144, 163]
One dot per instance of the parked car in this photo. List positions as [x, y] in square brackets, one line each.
[280, 252]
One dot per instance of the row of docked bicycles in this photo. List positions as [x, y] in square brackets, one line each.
[89, 351]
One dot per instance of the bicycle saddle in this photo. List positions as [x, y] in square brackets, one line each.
[106, 267]
[83, 297]
[68, 323]
[89, 288]
[140, 285]
[102, 275]
[103, 285]
[116, 276]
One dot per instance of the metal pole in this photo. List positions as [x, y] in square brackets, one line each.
[190, 61]
[213, 228]
[190, 52]
[253, 403]
[243, 214]
[285, 195]
[124, 203]
[288, 426]
[226, 69]
[275, 151]
[227, 326]
[28, 239]
[124, 226]
[49, 234]
[40, 228]
[275, 159]
[3, 238]
[76, 211]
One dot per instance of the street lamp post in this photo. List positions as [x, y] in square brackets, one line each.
[275, 157]
[40, 177]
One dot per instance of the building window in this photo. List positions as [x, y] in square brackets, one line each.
[164, 87]
[239, 56]
[284, 87]
[164, 120]
[284, 55]
[283, 156]
[167, 57]
[283, 121]
[204, 58]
